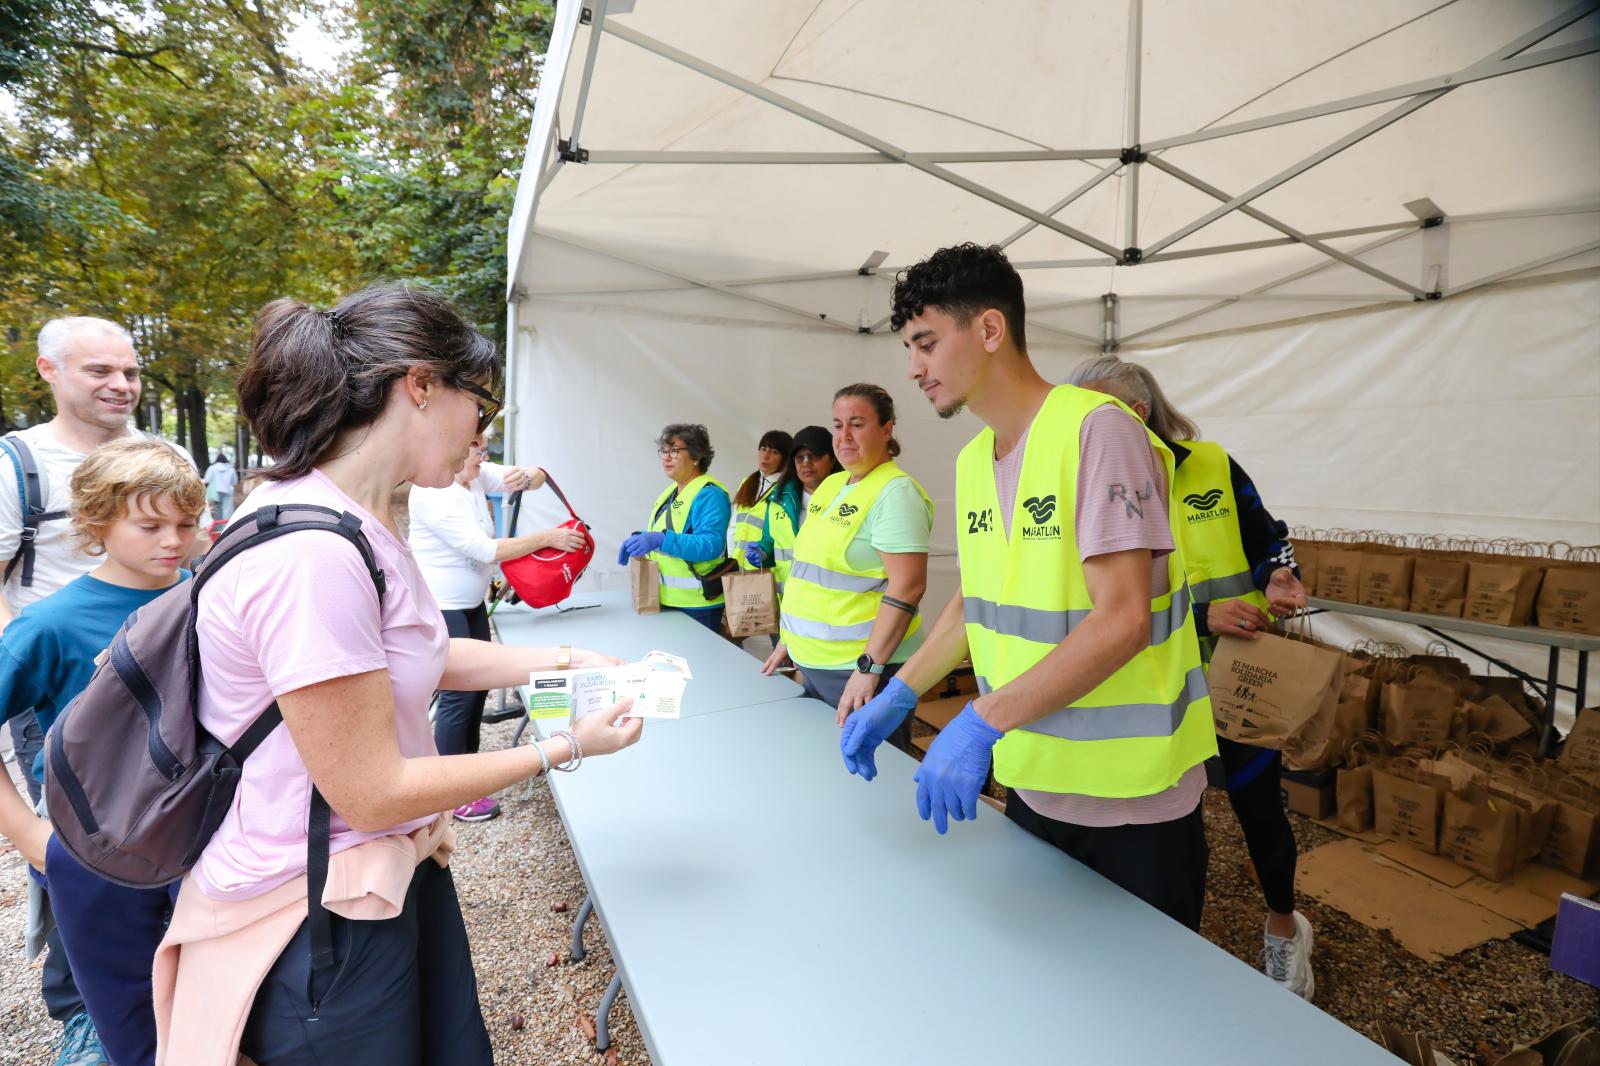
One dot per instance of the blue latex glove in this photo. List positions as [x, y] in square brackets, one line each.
[955, 768]
[755, 556]
[870, 723]
[639, 544]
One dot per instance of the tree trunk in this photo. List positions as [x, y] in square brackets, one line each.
[183, 417]
[195, 401]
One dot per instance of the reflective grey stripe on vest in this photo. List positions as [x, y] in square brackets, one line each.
[833, 579]
[747, 519]
[1052, 627]
[1120, 721]
[682, 583]
[1222, 588]
[808, 627]
[784, 555]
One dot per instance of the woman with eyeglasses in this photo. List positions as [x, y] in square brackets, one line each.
[686, 534]
[452, 538]
[809, 463]
[388, 386]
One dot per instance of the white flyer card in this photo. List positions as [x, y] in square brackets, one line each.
[655, 684]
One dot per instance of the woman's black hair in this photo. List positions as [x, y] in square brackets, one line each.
[750, 487]
[313, 375]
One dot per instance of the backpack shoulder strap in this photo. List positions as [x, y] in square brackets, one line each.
[31, 496]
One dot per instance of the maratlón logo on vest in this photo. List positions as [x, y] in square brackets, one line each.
[841, 517]
[1204, 504]
[1042, 511]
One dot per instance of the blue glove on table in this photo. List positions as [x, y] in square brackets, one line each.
[755, 556]
[639, 544]
[870, 723]
[955, 768]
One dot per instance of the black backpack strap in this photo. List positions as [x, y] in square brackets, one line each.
[265, 723]
[30, 494]
[319, 923]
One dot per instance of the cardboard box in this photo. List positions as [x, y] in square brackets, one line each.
[1309, 792]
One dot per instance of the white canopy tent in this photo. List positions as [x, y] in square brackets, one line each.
[1359, 243]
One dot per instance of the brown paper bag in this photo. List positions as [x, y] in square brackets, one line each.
[1264, 691]
[1573, 843]
[1439, 584]
[1502, 591]
[1580, 753]
[1480, 832]
[1406, 804]
[1496, 719]
[752, 603]
[1386, 579]
[1419, 712]
[1569, 599]
[1339, 573]
[1352, 790]
[1306, 554]
[644, 577]
[1324, 739]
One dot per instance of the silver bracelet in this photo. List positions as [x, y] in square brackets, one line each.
[573, 761]
[544, 760]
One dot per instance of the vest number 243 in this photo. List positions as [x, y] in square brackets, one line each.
[980, 521]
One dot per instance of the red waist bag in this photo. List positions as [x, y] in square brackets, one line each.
[545, 578]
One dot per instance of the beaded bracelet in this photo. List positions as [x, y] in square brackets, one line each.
[544, 760]
[576, 759]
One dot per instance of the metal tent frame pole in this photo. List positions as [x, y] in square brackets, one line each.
[1361, 133]
[794, 107]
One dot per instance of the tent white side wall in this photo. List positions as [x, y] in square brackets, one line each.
[650, 286]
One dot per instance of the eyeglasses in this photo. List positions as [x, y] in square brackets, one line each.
[488, 409]
[665, 452]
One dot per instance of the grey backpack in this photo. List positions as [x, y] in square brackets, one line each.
[136, 786]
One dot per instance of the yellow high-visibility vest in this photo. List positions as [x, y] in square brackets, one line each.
[1139, 730]
[680, 586]
[1213, 549]
[828, 605]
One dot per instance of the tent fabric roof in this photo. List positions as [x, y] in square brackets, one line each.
[747, 161]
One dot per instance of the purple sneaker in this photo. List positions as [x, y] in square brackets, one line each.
[478, 810]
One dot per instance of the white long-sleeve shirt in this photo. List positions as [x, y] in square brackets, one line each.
[452, 538]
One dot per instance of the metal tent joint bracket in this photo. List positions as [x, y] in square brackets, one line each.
[1135, 154]
[587, 17]
[1131, 257]
[1436, 220]
[571, 153]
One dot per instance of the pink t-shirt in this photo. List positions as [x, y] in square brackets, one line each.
[1122, 504]
[283, 616]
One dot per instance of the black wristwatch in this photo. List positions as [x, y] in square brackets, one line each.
[866, 666]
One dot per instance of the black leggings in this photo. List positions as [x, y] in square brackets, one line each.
[1257, 800]
[459, 715]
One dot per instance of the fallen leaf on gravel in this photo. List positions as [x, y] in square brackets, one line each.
[560, 906]
[551, 959]
[518, 1021]
[586, 1023]
[611, 1056]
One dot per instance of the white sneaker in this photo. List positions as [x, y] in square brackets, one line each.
[1288, 961]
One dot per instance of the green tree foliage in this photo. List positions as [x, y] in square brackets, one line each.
[170, 165]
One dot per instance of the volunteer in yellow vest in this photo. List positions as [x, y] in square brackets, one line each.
[1093, 707]
[849, 610]
[809, 461]
[688, 525]
[1240, 563]
[751, 501]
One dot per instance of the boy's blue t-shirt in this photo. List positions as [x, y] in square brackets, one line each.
[47, 653]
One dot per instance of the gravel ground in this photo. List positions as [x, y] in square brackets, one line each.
[518, 873]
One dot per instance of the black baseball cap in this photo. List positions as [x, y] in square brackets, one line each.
[815, 440]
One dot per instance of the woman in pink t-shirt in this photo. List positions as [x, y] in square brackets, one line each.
[389, 386]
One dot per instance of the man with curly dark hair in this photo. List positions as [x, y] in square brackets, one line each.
[1092, 706]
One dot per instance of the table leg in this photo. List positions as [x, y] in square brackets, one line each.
[1547, 736]
[1583, 681]
[522, 727]
[584, 910]
[602, 1017]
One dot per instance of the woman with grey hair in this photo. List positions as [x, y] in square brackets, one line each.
[1239, 565]
[688, 522]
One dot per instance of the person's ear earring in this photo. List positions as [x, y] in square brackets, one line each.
[423, 406]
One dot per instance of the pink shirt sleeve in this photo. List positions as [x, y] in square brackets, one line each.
[307, 606]
[1122, 488]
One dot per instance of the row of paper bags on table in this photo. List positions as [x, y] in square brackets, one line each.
[1504, 582]
[1425, 751]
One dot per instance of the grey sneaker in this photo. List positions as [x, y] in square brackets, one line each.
[1288, 961]
[80, 1045]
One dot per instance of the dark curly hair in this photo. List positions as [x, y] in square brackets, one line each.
[693, 436]
[962, 280]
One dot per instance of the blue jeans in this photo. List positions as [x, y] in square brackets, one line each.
[458, 716]
[710, 617]
[401, 991]
[110, 933]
